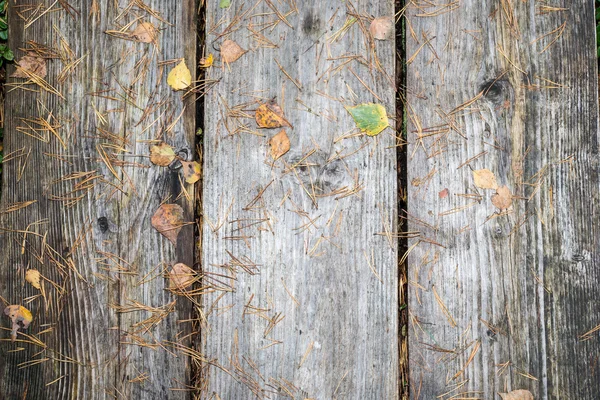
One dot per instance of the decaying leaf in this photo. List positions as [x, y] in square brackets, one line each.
[369, 117]
[484, 179]
[444, 193]
[191, 171]
[162, 154]
[382, 28]
[517, 395]
[503, 198]
[20, 317]
[280, 144]
[180, 77]
[181, 276]
[144, 32]
[231, 51]
[33, 276]
[270, 115]
[207, 62]
[168, 220]
[32, 64]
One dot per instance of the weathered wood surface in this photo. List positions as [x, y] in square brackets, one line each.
[296, 310]
[101, 259]
[515, 292]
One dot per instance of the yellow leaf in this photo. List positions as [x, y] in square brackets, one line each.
[484, 179]
[19, 315]
[191, 171]
[180, 77]
[369, 117]
[270, 115]
[33, 276]
[162, 154]
[207, 62]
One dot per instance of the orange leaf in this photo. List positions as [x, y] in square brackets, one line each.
[280, 144]
[168, 221]
[270, 115]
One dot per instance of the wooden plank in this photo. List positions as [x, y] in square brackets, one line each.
[501, 301]
[295, 308]
[102, 260]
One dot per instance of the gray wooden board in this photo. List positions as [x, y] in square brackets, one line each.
[515, 293]
[338, 338]
[106, 253]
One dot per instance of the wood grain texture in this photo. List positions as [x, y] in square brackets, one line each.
[502, 301]
[296, 310]
[101, 250]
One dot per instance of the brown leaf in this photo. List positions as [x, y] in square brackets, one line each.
[168, 220]
[144, 32]
[33, 276]
[181, 276]
[280, 144]
[270, 115]
[444, 193]
[162, 154]
[18, 315]
[191, 171]
[32, 64]
[517, 395]
[231, 51]
[382, 28]
[503, 198]
[484, 179]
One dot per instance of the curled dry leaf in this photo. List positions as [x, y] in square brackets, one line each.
[18, 315]
[270, 115]
[503, 198]
[369, 117]
[207, 62]
[168, 220]
[33, 276]
[231, 51]
[280, 144]
[181, 276]
[191, 171]
[517, 395]
[484, 179]
[144, 32]
[31, 64]
[180, 77]
[162, 154]
[382, 28]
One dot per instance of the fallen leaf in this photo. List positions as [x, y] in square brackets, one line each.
[162, 154]
[270, 115]
[191, 171]
[32, 64]
[181, 276]
[207, 62]
[444, 193]
[180, 77]
[484, 179]
[18, 314]
[369, 117]
[168, 220]
[224, 3]
[33, 276]
[280, 144]
[144, 32]
[517, 395]
[382, 28]
[503, 198]
[231, 51]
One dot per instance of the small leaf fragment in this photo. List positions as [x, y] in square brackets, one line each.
[503, 198]
[144, 32]
[270, 115]
[162, 154]
[224, 3]
[19, 315]
[370, 118]
[484, 179]
[191, 171]
[382, 28]
[280, 144]
[520, 394]
[181, 276]
[168, 221]
[33, 277]
[180, 77]
[207, 62]
[231, 51]
[444, 193]
[30, 64]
